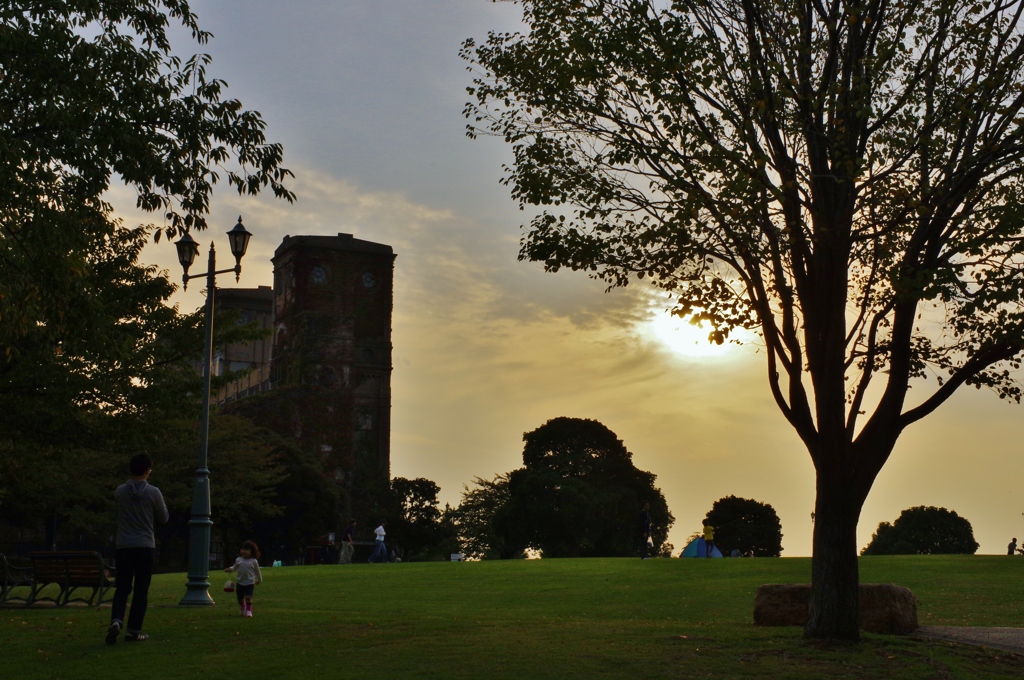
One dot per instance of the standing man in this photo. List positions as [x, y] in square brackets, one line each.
[138, 504]
[709, 539]
[644, 522]
[347, 546]
[380, 553]
[1012, 548]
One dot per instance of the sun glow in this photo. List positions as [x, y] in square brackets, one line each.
[684, 338]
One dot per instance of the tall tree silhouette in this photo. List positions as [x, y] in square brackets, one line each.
[578, 494]
[842, 177]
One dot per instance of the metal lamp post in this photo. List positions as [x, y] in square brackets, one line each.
[197, 591]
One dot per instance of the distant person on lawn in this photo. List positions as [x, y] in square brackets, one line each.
[709, 539]
[644, 522]
[1012, 548]
[138, 505]
[380, 552]
[347, 545]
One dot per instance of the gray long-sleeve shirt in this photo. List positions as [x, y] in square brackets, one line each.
[138, 504]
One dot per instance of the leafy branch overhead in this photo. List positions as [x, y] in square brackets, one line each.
[92, 90]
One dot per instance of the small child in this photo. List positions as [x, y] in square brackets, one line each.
[248, 567]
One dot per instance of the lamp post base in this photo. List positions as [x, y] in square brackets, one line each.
[197, 595]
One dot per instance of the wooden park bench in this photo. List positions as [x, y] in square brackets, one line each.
[15, 577]
[70, 571]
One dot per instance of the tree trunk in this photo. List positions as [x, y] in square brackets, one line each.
[835, 613]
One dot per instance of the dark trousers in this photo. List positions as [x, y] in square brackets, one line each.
[134, 566]
[242, 591]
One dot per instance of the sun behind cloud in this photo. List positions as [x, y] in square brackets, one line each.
[685, 338]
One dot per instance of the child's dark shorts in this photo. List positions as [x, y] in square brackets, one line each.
[241, 591]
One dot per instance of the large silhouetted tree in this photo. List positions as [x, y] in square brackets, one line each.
[746, 525]
[924, 530]
[842, 177]
[578, 494]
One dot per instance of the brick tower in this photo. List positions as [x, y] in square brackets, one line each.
[331, 366]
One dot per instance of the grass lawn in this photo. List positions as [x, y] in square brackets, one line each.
[594, 618]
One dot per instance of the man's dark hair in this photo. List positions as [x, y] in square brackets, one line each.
[140, 463]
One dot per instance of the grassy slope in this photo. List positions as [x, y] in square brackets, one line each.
[603, 618]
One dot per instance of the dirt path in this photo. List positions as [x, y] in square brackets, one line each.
[1006, 639]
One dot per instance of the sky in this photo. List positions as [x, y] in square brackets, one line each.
[367, 96]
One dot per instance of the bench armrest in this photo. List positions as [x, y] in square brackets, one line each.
[23, 574]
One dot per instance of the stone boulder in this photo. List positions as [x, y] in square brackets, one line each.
[887, 608]
[884, 608]
[780, 604]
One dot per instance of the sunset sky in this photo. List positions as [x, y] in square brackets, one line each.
[366, 96]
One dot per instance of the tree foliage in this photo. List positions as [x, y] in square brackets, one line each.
[746, 525]
[414, 522]
[78, 397]
[843, 178]
[476, 520]
[94, 94]
[578, 495]
[923, 530]
[114, 339]
[92, 89]
[248, 468]
[93, 363]
[312, 501]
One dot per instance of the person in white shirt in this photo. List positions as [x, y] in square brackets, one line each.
[380, 552]
[247, 566]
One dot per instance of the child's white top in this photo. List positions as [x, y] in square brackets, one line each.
[248, 571]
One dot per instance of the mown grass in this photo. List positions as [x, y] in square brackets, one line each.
[596, 618]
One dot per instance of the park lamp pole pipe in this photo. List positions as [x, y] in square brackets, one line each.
[197, 589]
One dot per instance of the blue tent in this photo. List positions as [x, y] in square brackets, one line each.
[697, 548]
